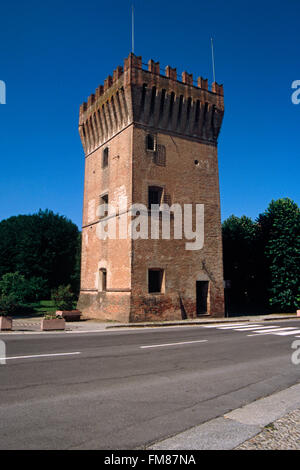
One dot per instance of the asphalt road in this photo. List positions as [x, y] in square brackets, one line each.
[113, 391]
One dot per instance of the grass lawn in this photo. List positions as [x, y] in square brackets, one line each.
[44, 306]
[39, 309]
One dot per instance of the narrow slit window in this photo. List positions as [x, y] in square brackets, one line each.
[105, 158]
[150, 142]
[102, 280]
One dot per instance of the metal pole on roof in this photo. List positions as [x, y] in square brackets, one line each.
[213, 59]
[132, 30]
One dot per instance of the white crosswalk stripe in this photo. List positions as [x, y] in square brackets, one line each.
[223, 324]
[274, 331]
[286, 333]
[257, 329]
[236, 327]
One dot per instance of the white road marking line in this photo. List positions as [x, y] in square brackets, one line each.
[223, 324]
[235, 327]
[39, 355]
[283, 328]
[272, 331]
[285, 333]
[173, 344]
[258, 328]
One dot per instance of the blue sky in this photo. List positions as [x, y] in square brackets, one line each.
[54, 54]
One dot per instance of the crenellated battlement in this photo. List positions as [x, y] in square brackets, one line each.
[148, 98]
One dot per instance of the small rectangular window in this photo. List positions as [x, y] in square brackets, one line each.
[102, 201]
[151, 142]
[155, 281]
[154, 195]
[105, 158]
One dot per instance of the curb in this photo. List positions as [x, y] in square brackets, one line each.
[199, 322]
[235, 427]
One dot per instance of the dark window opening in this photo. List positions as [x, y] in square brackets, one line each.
[105, 158]
[155, 281]
[154, 195]
[201, 297]
[150, 142]
[103, 200]
[102, 280]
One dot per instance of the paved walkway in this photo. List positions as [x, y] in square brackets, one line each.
[34, 325]
[282, 434]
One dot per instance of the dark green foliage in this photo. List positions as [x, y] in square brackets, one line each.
[240, 263]
[23, 290]
[43, 245]
[63, 298]
[280, 228]
[262, 259]
[75, 277]
[14, 285]
[37, 289]
[17, 293]
[9, 305]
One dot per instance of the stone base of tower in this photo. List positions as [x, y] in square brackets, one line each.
[108, 306]
[128, 308]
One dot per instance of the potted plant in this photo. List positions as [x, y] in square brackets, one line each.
[50, 322]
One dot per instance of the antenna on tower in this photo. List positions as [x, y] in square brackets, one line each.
[132, 28]
[213, 59]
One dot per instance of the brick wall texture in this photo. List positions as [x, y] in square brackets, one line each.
[184, 119]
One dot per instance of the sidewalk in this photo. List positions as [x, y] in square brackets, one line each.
[33, 324]
[282, 434]
[268, 423]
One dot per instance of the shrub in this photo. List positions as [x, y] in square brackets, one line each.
[9, 305]
[63, 298]
[22, 289]
[14, 287]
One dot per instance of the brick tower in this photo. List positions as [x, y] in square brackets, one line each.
[151, 138]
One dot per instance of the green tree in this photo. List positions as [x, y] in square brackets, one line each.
[241, 264]
[75, 277]
[42, 245]
[279, 229]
